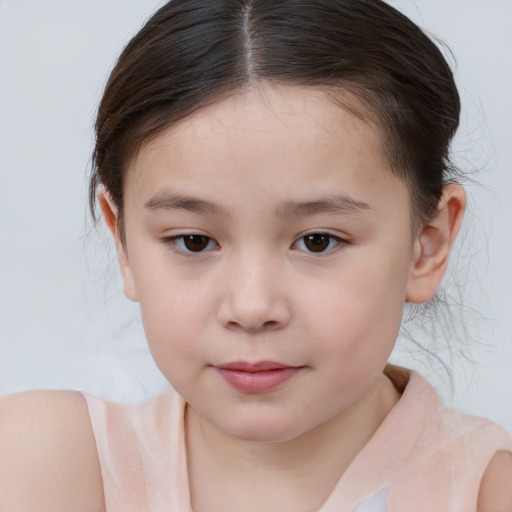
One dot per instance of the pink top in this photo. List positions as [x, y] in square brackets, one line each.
[424, 457]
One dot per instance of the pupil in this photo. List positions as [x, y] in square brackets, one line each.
[196, 242]
[316, 242]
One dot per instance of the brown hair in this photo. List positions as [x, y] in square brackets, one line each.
[191, 53]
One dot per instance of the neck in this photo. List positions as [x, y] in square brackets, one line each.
[297, 475]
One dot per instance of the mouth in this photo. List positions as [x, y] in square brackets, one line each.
[258, 377]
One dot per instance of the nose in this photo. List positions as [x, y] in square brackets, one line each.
[255, 297]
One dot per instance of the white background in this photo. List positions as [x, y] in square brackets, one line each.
[64, 322]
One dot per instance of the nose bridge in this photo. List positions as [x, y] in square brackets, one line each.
[255, 293]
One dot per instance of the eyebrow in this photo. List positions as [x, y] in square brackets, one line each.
[336, 204]
[169, 201]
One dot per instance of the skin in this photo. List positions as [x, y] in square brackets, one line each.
[255, 293]
[241, 174]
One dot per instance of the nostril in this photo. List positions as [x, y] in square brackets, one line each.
[271, 324]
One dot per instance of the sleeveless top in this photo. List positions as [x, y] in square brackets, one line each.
[423, 457]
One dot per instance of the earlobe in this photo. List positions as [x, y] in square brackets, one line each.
[433, 245]
[110, 214]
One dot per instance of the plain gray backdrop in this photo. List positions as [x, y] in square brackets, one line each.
[64, 322]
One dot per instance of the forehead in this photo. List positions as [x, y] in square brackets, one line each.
[268, 141]
[268, 103]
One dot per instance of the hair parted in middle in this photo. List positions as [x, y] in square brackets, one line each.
[368, 58]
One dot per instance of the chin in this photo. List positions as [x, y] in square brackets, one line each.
[262, 431]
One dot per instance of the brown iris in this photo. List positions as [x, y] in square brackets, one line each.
[196, 243]
[317, 242]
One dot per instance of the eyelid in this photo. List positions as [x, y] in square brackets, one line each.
[341, 242]
[172, 243]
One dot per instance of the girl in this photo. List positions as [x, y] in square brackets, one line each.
[275, 175]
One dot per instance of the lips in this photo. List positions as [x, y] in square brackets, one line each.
[260, 366]
[258, 377]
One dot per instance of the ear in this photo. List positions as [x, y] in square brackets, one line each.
[110, 214]
[433, 245]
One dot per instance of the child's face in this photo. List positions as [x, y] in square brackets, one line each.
[299, 253]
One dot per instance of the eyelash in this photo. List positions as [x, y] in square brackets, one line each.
[177, 243]
[338, 242]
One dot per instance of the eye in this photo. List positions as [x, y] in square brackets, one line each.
[194, 243]
[318, 242]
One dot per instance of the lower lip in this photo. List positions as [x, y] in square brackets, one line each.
[257, 382]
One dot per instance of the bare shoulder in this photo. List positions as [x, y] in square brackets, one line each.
[496, 487]
[48, 457]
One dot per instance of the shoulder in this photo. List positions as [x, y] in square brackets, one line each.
[496, 488]
[48, 457]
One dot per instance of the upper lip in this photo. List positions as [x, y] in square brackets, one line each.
[259, 366]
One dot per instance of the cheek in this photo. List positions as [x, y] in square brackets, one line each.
[175, 311]
[172, 314]
[356, 322]
[359, 313]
